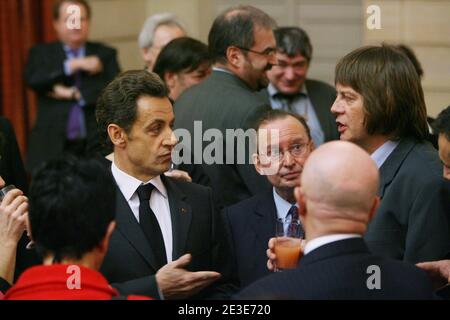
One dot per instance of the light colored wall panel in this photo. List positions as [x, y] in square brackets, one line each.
[436, 101]
[197, 15]
[436, 64]
[328, 12]
[391, 22]
[129, 56]
[117, 19]
[427, 22]
[334, 28]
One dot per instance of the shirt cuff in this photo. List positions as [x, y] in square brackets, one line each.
[161, 296]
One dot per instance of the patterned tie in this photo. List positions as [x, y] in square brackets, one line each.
[75, 123]
[150, 225]
[295, 229]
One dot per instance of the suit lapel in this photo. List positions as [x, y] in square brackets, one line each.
[181, 215]
[322, 111]
[264, 219]
[392, 164]
[128, 226]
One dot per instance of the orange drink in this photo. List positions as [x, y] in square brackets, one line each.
[288, 252]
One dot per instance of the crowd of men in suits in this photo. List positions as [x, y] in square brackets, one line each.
[205, 230]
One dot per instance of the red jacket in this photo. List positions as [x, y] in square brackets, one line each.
[63, 282]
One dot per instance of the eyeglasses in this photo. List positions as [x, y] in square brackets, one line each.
[296, 151]
[267, 52]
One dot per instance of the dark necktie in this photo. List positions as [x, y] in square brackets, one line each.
[286, 100]
[75, 123]
[150, 225]
[295, 229]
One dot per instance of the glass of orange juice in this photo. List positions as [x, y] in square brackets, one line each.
[288, 244]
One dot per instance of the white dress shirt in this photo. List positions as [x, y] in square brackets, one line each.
[321, 241]
[159, 203]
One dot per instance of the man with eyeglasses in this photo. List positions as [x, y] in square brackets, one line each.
[284, 144]
[290, 90]
[242, 46]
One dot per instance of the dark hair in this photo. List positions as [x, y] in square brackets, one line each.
[58, 4]
[442, 123]
[275, 114]
[293, 41]
[412, 57]
[72, 202]
[181, 55]
[117, 102]
[394, 103]
[235, 27]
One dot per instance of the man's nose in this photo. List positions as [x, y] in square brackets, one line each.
[289, 73]
[288, 159]
[336, 107]
[272, 60]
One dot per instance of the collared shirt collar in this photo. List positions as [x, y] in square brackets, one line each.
[81, 50]
[129, 184]
[222, 70]
[281, 205]
[383, 152]
[321, 241]
[273, 91]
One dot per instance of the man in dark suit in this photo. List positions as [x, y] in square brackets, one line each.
[167, 230]
[242, 45]
[252, 222]
[439, 271]
[290, 90]
[380, 107]
[337, 199]
[67, 76]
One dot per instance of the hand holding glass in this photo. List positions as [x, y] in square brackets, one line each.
[287, 243]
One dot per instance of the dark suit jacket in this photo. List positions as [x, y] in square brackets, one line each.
[413, 220]
[44, 69]
[197, 229]
[223, 101]
[251, 223]
[13, 172]
[322, 97]
[11, 165]
[339, 270]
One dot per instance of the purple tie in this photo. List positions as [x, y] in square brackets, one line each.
[295, 229]
[75, 124]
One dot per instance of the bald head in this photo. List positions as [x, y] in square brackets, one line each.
[339, 184]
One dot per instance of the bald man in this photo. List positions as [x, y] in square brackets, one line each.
[337, 199]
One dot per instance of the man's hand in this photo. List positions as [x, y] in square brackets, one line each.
[90, 64]
[179, 174]
[178, 283]
[271, 252]
[61, 92]
[13, 216]
[438, 271]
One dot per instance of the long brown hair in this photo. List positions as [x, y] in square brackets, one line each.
[394, 103]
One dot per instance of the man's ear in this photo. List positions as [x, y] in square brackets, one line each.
[104, 243]
[146, 54]
[300, 198]
[312, 146]
[375, 205]
[117, 135]
[234, 56]
[257, 164]
[170, 78]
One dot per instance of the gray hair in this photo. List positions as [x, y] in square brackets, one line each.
[145, 39]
